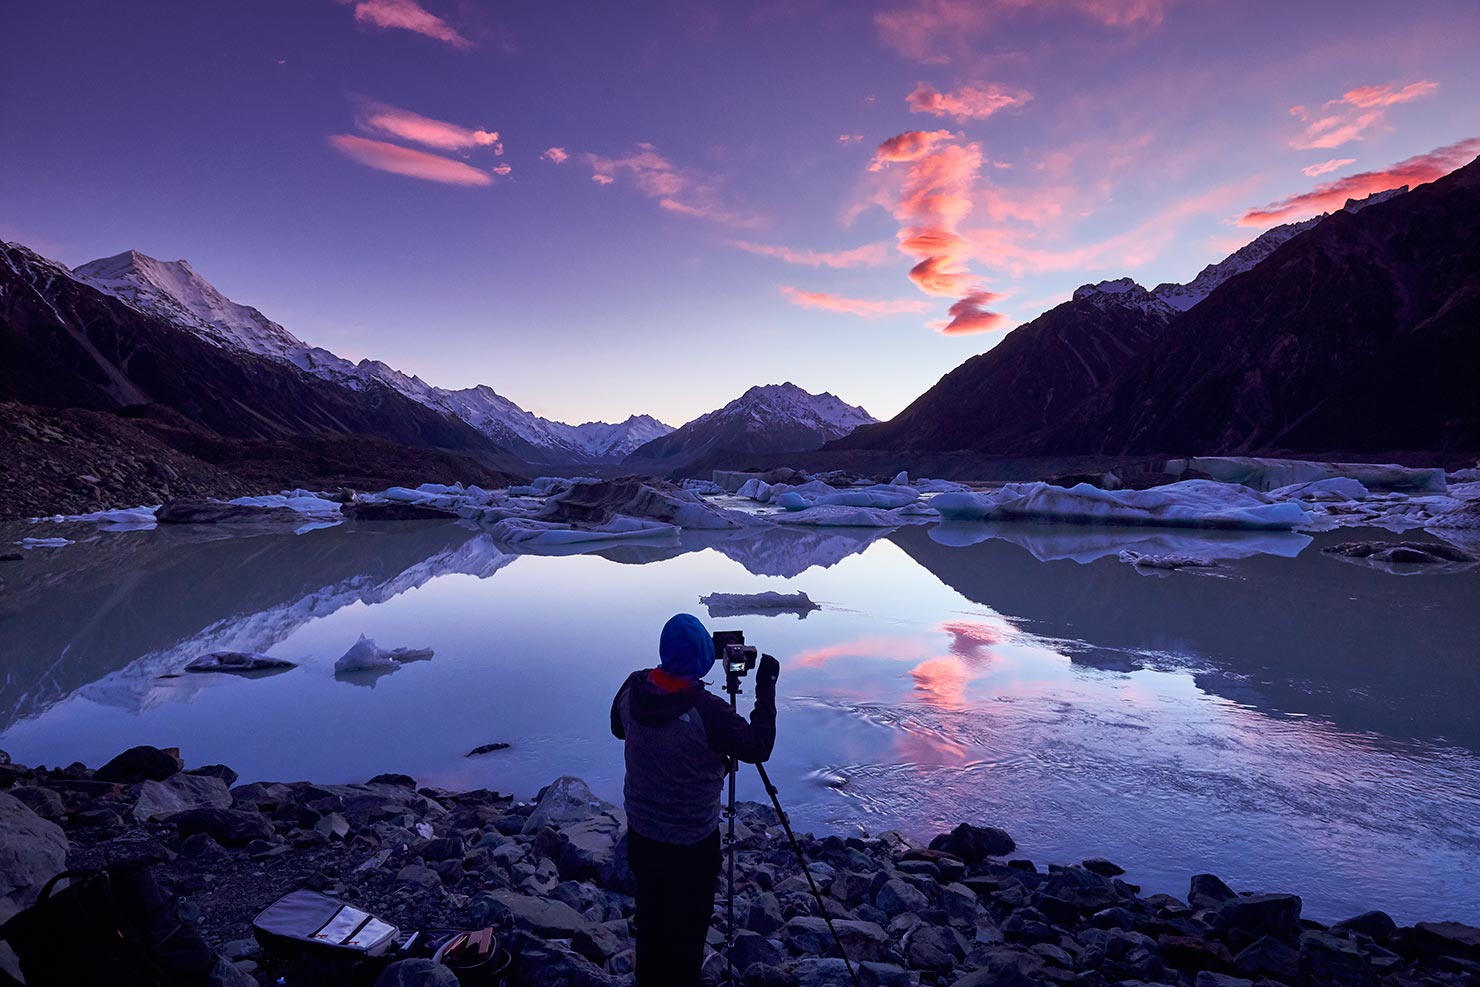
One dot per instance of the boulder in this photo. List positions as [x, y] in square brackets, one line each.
[1447, 939]
[1208, 891]
[1004, 966]
[973, 844]
[43, 801]
[1103, 867]
[898, 896]
[228, 827]
[143, 763]
[1377, 926]
[177, 793]
[935, 947]
[1268, 957]
[1255, 915]
[1333, 961]
[1209, 979]
[416, 973]
[751, 948]
[541, 916]
[810, 936]
[592, 831]
[32, 849]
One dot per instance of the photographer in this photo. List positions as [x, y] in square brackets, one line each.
[678, 739]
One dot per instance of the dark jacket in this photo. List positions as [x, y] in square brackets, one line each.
[676, 749]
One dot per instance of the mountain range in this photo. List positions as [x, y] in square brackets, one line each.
[1354, 332]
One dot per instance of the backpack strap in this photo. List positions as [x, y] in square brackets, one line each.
[66, 875]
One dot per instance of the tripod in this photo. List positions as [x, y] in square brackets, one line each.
[732, 686]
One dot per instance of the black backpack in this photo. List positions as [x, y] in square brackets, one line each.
[114, 926]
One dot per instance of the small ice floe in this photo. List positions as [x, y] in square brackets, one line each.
[366, 656]
[1404, 557]
[1165, 562]
[124, 519]
[239, 663]
[45, 542]
[704, 488]
[1190, 503]
[303, 501]
[767, 604]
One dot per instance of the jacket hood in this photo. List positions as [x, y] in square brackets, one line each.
[686, 648]
[654, 707]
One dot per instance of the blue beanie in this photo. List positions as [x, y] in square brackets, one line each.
[686, 648]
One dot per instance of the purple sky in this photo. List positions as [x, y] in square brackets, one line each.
[607, 208]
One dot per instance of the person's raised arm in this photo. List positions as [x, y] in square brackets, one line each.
[730, 733]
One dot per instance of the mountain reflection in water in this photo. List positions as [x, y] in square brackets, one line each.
[1286, 720]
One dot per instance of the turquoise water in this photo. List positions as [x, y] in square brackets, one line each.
[1289, 721]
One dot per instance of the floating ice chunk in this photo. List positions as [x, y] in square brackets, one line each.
[1335, 489]
[901, 479]
[768, 603]
[755, 489]
[1270, 474]
[704, 488]
[366, 656]
[1140, 561]
[528, 531]
[297, 500]
[45, 542]
[939, 486]
[123, 519]
[1191, 503]
[883, 496]
[405, 495]
[238, 662]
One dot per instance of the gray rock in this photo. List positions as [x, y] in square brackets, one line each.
[1258, 915]
[228, 827]
[974, 844]
[177, 793]
[1447, 939]
[43, 801]
[226, 974]
[143, 763]
[1334, 961]
[238, 663]
[1268, 957]
[764, 914]
[1377, 926]
[935, 947]
[538, 915]
[1210, 979]
[828, 972]
[416, 973]
[751, 948]
[593, 831]
[882, 975]
[897, 896]
[1005, 967]
[810, 936]
[418, 876]
[1208, 891]
[1103, 867]
[32, 849]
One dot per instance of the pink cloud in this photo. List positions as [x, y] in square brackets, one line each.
[934, 196]
[556, 155]
[404, 161]
[384, 120]
[407, 15]
[935, 31]
[685, 191]
[868, 308]
[868, 255]
[1326, 167]
[501, 169]
[1332, 195]
[972, 101]
[1340, 121]
[849, 138]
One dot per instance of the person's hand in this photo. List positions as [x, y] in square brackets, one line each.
[768, 672]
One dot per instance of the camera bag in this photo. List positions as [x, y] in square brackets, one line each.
[308, 922]
[112, 925]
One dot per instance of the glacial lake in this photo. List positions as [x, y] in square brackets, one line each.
[1290, 721]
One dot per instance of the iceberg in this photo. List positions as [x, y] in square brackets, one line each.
[884, 496]
[704, 488]
[1168, 562]
[1190, 503]
[301, 501]
[1333, 490]
[366, 656]
[838, 516]
[765, 604]
[1270, 474]
[45, 542]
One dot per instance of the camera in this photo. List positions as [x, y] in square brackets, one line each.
[731, 651]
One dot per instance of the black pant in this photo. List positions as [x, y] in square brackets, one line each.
[675, 897]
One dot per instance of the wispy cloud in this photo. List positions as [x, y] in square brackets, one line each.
[1340, 121]
[407, 15]
[557, 155]
[406, 161]
[972, 101]
[868, 255]
[939, 175]
[868, 308]
[1326, 167]
[1332, 195]
[384, 120]
[936, 31]
[686, 191]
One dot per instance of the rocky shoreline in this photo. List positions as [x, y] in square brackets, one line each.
[550, 875]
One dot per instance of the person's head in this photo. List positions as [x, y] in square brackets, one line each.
[685, 647]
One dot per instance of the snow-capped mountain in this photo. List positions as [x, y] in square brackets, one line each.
[1183, 296]
[769, 418]
[174, 291]
[1122, 293]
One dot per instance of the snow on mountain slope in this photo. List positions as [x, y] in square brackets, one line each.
[770, 418]
[174, 291]
[1122, 292]
[1183, 296]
